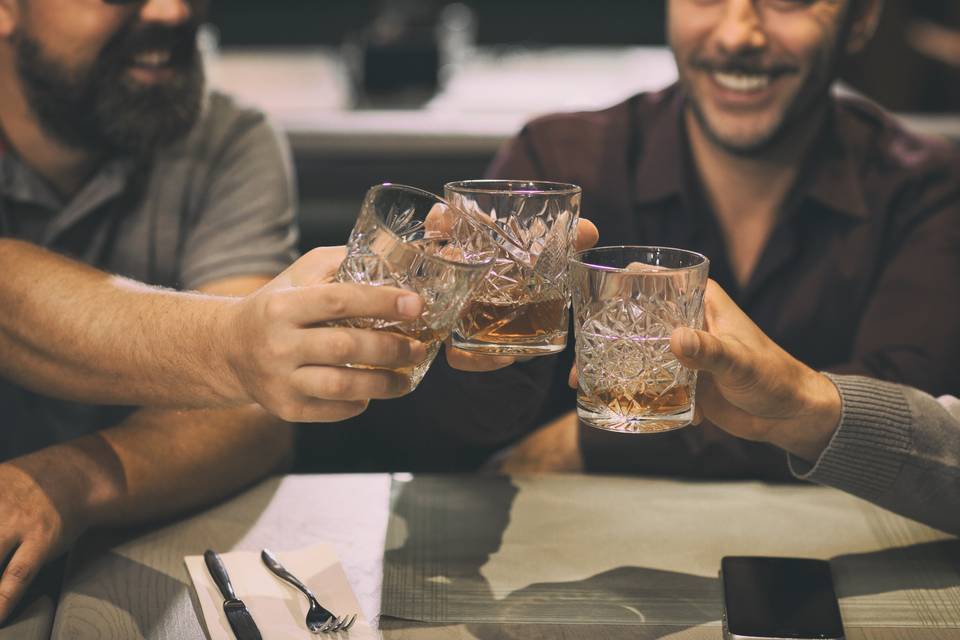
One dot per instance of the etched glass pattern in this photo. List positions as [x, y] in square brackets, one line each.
[413, 240]
[627, 301]
[522, 307]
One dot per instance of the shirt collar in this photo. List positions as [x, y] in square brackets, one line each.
[660, 169]
[834, 169]
[830, 176]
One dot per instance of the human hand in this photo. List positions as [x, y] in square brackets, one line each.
[750, 387]
[39, 519]
[587, 236]
[284, 359]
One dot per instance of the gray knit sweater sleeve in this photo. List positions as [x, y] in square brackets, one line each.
[896, 447]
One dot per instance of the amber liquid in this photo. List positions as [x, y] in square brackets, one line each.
[672, 401]
[429, 337]
[513, 323]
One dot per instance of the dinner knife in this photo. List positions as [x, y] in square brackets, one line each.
[237, 615]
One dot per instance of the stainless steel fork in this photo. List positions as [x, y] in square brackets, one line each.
[319, 619]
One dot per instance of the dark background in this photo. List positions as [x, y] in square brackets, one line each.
[891, 71]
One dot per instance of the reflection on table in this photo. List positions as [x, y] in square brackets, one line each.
[498, 557]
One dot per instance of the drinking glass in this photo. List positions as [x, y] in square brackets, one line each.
[522, 307]
[626, 303]
[411, 239]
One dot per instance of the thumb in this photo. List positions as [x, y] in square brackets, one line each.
[700, 350]
[317, 266]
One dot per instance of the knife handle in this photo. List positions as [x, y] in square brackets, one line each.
[219, 573]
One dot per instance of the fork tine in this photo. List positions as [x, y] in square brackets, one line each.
[330, 625]
[349, 624]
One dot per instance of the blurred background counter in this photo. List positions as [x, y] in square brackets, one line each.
[424, 91]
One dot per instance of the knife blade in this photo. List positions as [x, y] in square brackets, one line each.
[237, 614]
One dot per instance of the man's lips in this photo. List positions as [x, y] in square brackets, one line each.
[742, 87]
[742, 78]
[742, 82]
[153, 59]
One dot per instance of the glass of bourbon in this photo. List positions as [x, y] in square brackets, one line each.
[522, 307]
[411, 239]
[626, 303]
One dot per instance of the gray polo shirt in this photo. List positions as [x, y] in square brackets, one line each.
[218, 204]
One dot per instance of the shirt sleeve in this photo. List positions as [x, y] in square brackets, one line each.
[246, 225]
[896, 447]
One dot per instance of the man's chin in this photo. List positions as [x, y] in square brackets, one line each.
[741, 135]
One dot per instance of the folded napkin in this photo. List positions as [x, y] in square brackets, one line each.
[278, 609]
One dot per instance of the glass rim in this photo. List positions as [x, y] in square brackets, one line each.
[499, 187]
[432, 196]
[577, 259]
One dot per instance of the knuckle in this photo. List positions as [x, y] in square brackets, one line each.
[276, 308]
[19, 572]
[336, 300]
[277, 347]
[338, 385]
[394, 348]
[341, 346]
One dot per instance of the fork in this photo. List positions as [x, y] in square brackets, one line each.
[319, 619]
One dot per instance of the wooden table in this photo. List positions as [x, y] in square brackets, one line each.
[134, 585]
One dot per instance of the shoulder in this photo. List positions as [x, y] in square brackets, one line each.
[594, 149]
[887, 145]
[593, 133]
[225, 126]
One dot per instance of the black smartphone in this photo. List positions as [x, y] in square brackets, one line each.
[779, 598]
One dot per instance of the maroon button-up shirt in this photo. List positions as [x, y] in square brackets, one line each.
[861, 273]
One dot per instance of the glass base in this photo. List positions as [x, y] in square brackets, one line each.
[604, 418]
[414, 374]
[540, 347]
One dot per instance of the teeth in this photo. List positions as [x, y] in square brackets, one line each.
[152, 58]
[741, 81]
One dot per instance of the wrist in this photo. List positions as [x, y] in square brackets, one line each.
[81, 479]
[226, 340]
[809, 432]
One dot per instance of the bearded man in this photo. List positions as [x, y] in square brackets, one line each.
[113, 153]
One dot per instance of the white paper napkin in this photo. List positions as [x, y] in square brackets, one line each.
[278, 609]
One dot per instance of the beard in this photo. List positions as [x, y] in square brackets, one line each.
[99, 108]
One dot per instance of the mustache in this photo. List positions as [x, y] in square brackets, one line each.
[743, 65]
[179, 40]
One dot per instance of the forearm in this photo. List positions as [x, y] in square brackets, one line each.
[895, 447]
[70, 331]
[159, 463]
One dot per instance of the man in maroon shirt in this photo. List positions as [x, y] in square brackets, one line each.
[835, 229]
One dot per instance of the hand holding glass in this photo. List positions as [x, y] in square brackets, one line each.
[414, 240]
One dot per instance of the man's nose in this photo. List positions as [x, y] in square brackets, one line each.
[168, 12]
[741, 27]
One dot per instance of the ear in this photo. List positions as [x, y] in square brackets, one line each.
[866, 18]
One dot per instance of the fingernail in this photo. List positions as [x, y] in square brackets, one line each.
[689, 343]
[409, 305]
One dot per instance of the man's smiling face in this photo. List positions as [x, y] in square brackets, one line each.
[104, 77]
[752, 69]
